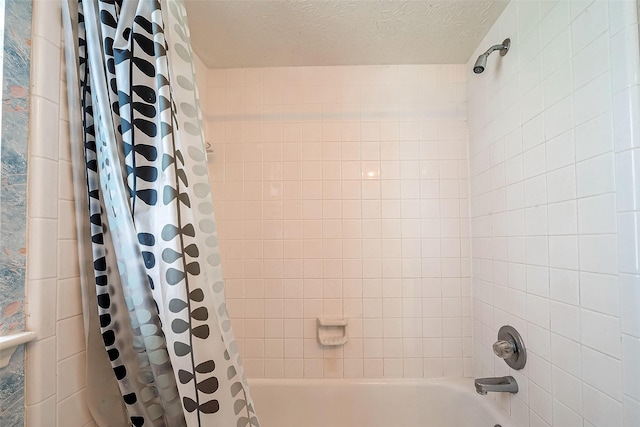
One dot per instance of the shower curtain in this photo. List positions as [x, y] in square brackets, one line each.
[160, 347]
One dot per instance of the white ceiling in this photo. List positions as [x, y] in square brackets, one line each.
[238, 33]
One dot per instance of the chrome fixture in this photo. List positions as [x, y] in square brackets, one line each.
[510, 347]
[481, 62]
[496, 384]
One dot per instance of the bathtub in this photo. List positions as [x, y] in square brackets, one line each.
[373, 403]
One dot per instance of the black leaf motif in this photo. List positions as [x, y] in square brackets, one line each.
[149, 259]
[192, 250]
[109, 338]
[149, 196]
[107, 19]
[206, 367]
[100, 264]
[149, 128]
[130, 398]
[200, 313]
[104, 301]
[137, 421]
[189, 230]
[189, 404]
[196, 295]
[101, 280]
[146, 93]
[105, 320]
[210, 407]
[113, 354]
[208, 386]
[179, 156]
[176, 305]
[145, 66]
[146, 239]
[120, 372]
[149, 152]
[184, 376]
[183, 177]
[147, 173]
[145, 109]
[193, 268]
[144, 24]
[145, 43]
[184, 198]
[201, 331]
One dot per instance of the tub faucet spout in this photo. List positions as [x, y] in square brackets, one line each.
[496, 384]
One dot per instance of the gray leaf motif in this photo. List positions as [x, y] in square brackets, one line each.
[239, 405]
[243, 422]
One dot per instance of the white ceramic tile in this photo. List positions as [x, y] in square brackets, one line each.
[629, 242]
[45, 123]
[602, 372]
[600, 409]
[69, 337]
[42, 262]
[600, 332]
[71, 376]
[40, 414]
[598, 253]
[628, 180]
[597, 215]
[41, 313]
[600, 292]
[43, 188]
[626, 118]
[629, 304]
[45, 79]
[73, 411]
[40, 371]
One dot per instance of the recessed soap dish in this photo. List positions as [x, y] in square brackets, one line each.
[332, 331]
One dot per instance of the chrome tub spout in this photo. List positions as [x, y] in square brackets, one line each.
[496, 384]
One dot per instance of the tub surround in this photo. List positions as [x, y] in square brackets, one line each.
[552, 137]
[342, 192]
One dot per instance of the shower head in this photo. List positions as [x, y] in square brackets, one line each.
[481, 62]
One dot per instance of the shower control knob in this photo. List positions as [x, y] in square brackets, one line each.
[504, 349]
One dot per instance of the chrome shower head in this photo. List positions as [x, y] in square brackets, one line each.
[481, 62]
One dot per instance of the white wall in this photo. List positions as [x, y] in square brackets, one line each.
[342, 191]
[548, 244]
[55, 362]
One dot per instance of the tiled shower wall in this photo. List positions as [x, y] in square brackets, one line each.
[343, 192]
[55, 362]
[553, 132]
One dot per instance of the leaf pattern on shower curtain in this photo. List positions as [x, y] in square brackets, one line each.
[159, 281]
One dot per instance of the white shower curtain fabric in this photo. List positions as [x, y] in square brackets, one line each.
[153, 290]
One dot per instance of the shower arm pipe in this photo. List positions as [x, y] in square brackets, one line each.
[495, 47]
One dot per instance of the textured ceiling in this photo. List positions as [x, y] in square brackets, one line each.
[238, 33]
